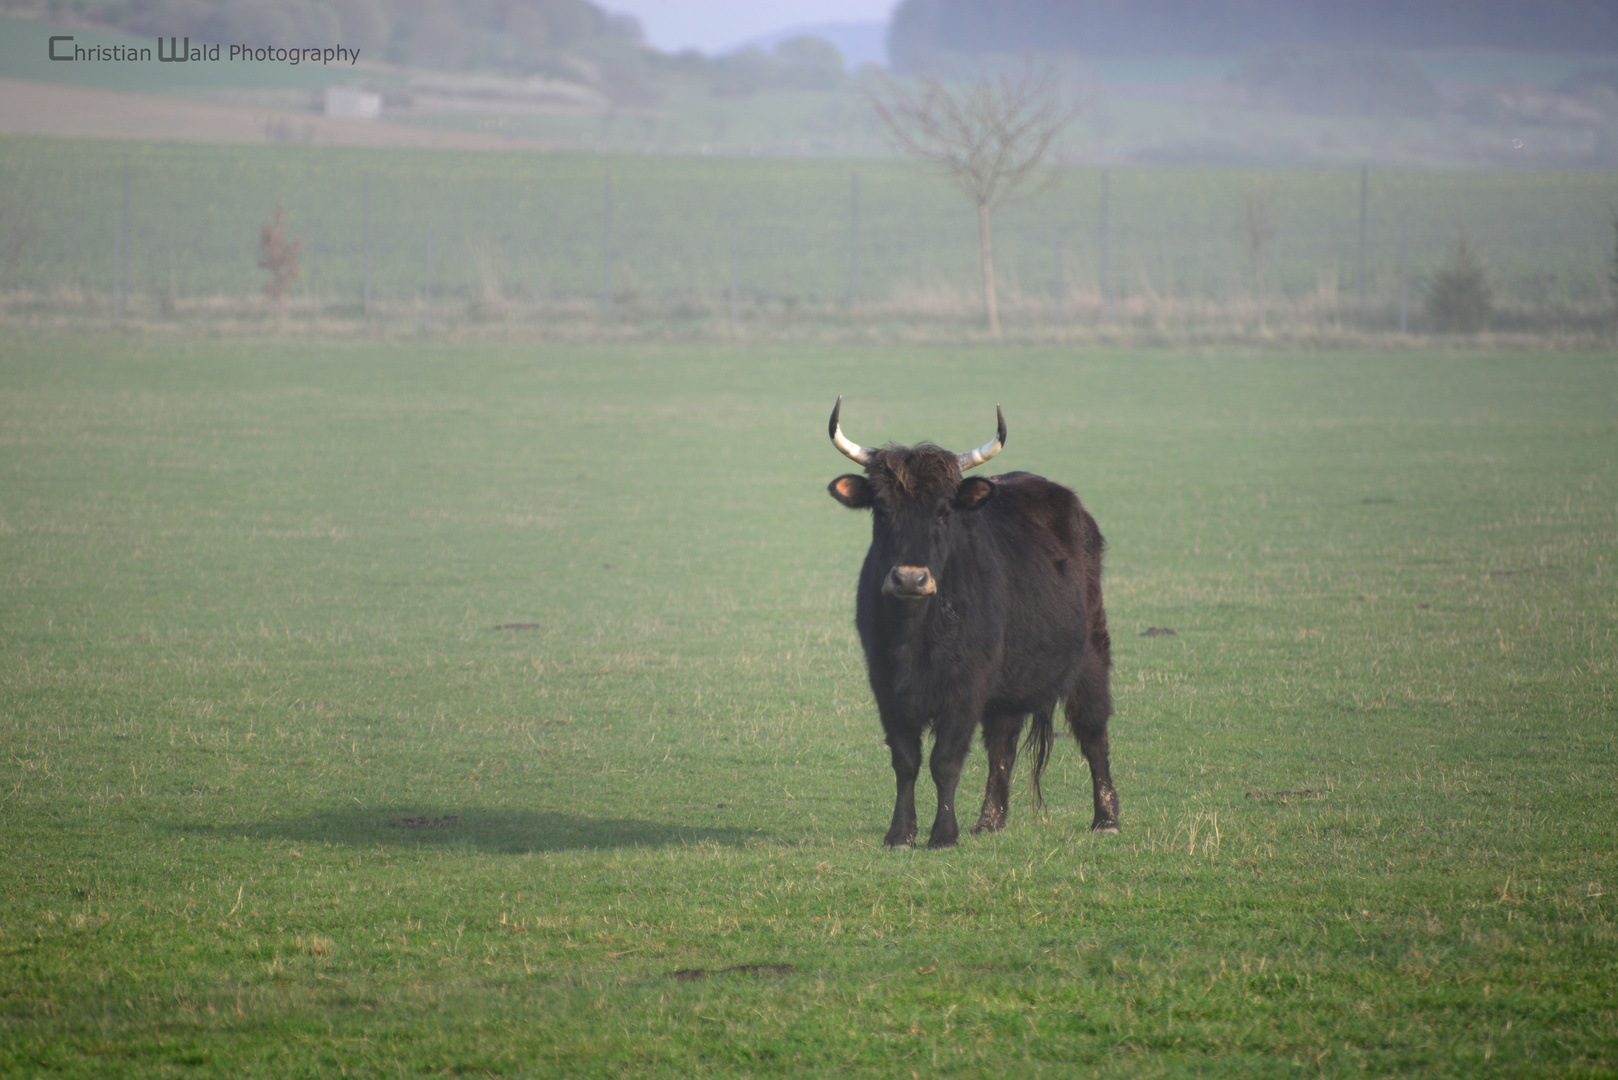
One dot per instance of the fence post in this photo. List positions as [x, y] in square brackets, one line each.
[427, 318]
[365, 232]
[606, 248]
[120, 255]
[733, 294]
[854, 241]
[1060, 284]
[1404, 243]
[117, 264]
[1365, 187]
[1106, 243]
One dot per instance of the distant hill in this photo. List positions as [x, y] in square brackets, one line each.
[1099, 28]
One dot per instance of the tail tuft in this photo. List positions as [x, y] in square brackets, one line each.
[1038, 741]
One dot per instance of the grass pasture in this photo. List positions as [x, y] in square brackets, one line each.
[278, 799]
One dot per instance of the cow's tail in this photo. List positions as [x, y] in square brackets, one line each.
[1038, 742]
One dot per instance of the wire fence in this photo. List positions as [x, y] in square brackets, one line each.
[149, 226]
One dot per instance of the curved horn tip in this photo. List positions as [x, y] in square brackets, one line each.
[971, 459]
[848, 448]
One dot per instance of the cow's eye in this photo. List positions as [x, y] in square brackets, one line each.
[942, 517]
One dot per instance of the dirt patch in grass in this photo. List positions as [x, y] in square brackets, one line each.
[693, 974]
[425, 822]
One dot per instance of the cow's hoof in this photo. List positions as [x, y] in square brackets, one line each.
[1105, 827]
[896, 843]
[941, 842]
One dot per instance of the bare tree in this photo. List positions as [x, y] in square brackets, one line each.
[988, 136]
[1258, 229]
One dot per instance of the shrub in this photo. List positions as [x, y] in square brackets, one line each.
[1459, 296]
[279, 256]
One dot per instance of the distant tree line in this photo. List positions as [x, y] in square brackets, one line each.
[798, 63]
[1336, 82]
[572, 40]
[923, 30]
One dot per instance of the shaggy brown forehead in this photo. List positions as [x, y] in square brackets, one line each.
[917, 474]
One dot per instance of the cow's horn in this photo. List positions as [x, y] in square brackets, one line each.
[988, 449]
[852, 450]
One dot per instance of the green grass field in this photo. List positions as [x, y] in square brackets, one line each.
[278, 800]
[532, 227]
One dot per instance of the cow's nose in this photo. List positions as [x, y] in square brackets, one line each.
[910, 582]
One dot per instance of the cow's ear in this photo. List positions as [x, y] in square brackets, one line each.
[973, 493]
[852, 490]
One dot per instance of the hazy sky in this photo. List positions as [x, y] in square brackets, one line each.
[711, 25]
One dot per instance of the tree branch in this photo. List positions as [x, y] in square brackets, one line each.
[989, 136]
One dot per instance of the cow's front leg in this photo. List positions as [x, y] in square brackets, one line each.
[952, 742]
[905, 746]
[1000, 740]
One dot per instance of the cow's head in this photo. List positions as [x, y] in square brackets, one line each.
[915, 495]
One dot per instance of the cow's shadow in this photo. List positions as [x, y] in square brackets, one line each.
[492, 829]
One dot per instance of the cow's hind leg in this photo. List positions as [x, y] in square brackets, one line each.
[1088, 709]
[1000, 735]
[906, 750]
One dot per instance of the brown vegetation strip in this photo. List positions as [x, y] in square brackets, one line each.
[1305, 793]
[38, 108]
[518, 626]
[1157, 631]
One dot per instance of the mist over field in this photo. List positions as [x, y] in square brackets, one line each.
[650, 245]
[1287, 84]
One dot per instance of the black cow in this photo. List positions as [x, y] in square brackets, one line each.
[979, 603]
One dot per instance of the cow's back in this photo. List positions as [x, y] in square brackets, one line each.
[1052, 552]
[1050, 519]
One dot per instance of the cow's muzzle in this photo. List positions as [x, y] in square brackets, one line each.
[909, 583]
